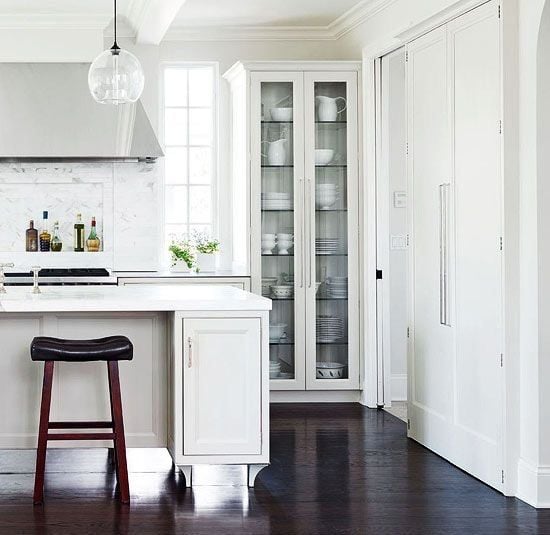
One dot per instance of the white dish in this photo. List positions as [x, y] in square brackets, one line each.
[281, 114]
[330, 370]
[323, 156]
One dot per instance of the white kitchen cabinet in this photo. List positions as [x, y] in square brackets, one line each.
[221, 386]
[295, 144]
[220, 394]
[242, 283]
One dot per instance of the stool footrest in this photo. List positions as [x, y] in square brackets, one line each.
[80, 425]
[80, 436]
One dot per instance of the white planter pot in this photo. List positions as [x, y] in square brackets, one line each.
[206, 263]
[179, 266]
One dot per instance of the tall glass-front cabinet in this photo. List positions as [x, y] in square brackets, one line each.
[295, 149]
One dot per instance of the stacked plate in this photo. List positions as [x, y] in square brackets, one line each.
[327, 245]
[274, 369]
[337, 287]
[329, 329]
[276, 201]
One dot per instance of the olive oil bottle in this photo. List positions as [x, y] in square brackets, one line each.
[79, 234]
[93, 242]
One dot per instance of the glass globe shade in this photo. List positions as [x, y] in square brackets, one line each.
[116, 77]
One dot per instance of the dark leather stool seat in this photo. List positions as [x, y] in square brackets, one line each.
[110, 350]
[102, 349]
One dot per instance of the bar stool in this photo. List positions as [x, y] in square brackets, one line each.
[111, 350]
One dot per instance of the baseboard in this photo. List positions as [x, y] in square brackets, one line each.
[534, 484]
[315, 396]
[398, 387]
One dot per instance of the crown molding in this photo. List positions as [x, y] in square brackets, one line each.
[54, 22]
[355, 16]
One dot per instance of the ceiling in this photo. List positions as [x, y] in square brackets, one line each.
[151, 21]
[262, 12]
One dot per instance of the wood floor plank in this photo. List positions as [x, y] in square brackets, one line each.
[335, 469]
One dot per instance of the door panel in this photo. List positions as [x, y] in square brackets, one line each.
[474, 60]
[222, 386]
[278, 232]
[331, 252]
[456, 277]
[429, 168]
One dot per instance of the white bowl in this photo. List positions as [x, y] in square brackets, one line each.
[281, 114]
[323, 156]
[282, 292]
[330, 370]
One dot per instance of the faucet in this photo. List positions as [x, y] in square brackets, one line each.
[3, 276]
[35, 288]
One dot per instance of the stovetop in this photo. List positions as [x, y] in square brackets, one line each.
[69, 272]
[63, 277]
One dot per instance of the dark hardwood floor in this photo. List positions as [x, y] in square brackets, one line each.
[335, 469]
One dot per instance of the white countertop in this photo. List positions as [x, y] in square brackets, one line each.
[161, 274]
[133, 298]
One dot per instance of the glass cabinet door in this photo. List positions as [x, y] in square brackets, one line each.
[279, 236]
[332, 189]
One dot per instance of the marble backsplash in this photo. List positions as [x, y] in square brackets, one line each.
[122, 196]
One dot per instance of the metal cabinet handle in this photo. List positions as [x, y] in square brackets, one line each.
[444, 315]
[302, 231]
[310, 224]
[189, 352]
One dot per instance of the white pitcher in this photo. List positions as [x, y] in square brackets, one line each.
[327, 108]
[276, 152]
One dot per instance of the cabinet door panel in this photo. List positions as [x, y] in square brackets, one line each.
[222, 386]
[278, 232]
[332, 243]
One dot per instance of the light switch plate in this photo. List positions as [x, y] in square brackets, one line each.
[400, 199]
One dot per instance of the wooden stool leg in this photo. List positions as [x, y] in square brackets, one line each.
[118, 423]
[38, 497]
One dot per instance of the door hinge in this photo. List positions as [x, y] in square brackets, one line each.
[378, 274]
[502, 476]
[408, 424]
[501, 243]
[408, 242]
[408, 332]
[499, 11]
[407, 149]
[501, 360]
[407, 55]
[500, 127]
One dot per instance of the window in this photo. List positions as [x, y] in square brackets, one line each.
[189, 139]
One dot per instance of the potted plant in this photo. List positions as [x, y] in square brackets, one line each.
[206, 248]
[182, 254]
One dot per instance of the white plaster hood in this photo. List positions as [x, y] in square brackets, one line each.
[47, 112]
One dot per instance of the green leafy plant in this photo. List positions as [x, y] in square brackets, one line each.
[182, 250]
[205, 244]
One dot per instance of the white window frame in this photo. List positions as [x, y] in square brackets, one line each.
[215, 139]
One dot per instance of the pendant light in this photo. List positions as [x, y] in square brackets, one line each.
[115, 76]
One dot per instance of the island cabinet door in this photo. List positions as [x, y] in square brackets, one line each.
[222, 386]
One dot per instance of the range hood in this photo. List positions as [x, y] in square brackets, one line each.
[47, 112]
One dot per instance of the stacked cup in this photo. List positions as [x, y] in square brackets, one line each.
[268, 243]
[284, 243]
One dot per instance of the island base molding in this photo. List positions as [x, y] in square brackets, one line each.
[252, 471]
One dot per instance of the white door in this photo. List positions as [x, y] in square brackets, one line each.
[222, 386]
[456, 305]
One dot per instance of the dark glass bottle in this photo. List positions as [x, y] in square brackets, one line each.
[45, 236]
[31, 241]
[79, 234]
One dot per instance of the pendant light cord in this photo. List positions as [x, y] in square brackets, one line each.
[115, 48]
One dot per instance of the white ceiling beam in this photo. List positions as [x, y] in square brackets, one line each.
[151, 19]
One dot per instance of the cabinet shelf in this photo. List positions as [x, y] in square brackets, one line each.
[331, 299]
[331, 254]
[335, 166]
[281, 343]
[279, 166]
[277, 122]
[332, 210]
[337, 343]
[269, 210]
[278, 255]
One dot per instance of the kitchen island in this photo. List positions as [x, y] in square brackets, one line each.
[198, 384]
